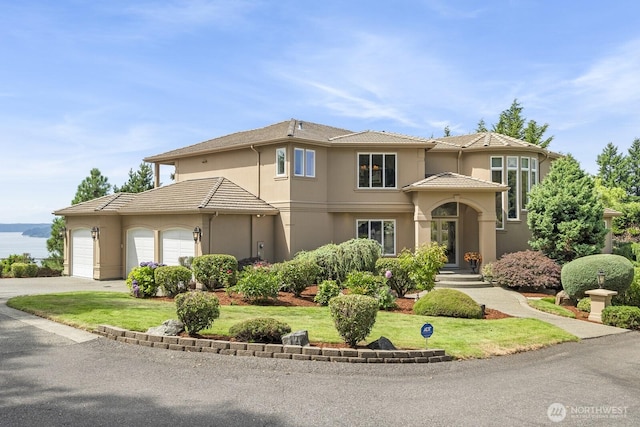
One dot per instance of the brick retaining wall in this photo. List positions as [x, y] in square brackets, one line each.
[274, 351]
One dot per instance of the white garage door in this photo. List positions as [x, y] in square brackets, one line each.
[176, 243]
[82, 253]
[140, 247]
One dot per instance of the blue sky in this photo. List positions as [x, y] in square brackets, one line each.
[103, 84]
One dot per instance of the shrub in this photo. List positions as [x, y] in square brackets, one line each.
[423, 265]
[141, 280]
[296, 275]
[12, 259]
[257, 284]
[487, 272]
[448, 303]
[215, 270]
[398, 279]
[327, 290]
[584, 305]
[48, 272]
[358, 255]
[353, 316]
[197, 310]
[173, 279]
[526, 269]
[264, 329]
[621, 316]
[327, 257]
[632, 295]
[365, 283]
[581, 274]
[21, 269]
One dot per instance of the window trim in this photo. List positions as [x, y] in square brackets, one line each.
[384, 179]
[382, 221]
[282, 150]
[499, 220]
[515, 188]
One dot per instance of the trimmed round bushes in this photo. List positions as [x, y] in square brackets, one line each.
[258, 284]
[141, 280]
[584, 305]
[526, 269]
[632, 295]
[448, 303]
[215, 270]
[327, 290]
[622, 316]
[262, 329]
[197, 310]
[172, 279]
[353, 316]
[298, 274]
[581, 274]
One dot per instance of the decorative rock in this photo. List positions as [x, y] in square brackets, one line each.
[381, 343]
[169, 327]
[562, 298]
[296, 338]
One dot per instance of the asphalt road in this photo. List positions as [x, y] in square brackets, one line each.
[49, 380]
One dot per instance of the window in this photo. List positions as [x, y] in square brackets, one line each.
[376, 170]
[382, 231]
[534, 171]
[525, 182]
[281, 161]
[512, 182]
[304, 162]
[496, 176]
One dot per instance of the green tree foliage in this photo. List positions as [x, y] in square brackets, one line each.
[447, 131]
[512, 123]
[55, 245]
[633, 168]
[139, 181]
[94, 186]
[612, 167]
[565, 213]
[481, 127]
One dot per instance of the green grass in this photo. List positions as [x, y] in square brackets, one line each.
[461, 338]
[548, 305]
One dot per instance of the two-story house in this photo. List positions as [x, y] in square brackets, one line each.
[295, 185]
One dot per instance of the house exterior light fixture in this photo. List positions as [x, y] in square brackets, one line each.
[95, 232]
[63, 232]
[197, 234]
[601, 277]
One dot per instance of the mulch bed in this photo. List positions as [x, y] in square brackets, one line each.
[580, 315]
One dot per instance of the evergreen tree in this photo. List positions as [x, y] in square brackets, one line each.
[447, 131]
[94, 186]
[633, 168]
[481, 127]
[139, 181]
[565, 213]
[612, 167]
[511, 123]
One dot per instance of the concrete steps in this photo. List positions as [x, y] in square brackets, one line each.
[460, 280]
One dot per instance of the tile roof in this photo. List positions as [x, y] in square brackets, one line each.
[193, 196]
[454, 181]
[383, 137]
[276, 132]
[484, 140]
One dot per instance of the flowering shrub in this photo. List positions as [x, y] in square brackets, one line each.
[473, 256]
[141, 280]
[215, 270]
[257, 284]
[327, 290]
[197, 310]
[526, 269]
[397, 276]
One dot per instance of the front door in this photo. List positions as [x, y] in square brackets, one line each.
[443, 231]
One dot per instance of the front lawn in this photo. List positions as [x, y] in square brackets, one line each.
[548, 305]
[461, 338]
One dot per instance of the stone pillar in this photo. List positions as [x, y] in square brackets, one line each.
[600, 299]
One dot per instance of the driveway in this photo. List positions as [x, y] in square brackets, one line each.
[48, 379]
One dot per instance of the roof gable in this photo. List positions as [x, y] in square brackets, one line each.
[452, 181]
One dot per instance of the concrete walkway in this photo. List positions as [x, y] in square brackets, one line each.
[515, 304]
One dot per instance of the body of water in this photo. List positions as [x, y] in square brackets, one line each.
[16, 243]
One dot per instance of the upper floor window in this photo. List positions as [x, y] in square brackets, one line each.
[376, 170]
[281, 161]
[497, 176]
[304, 162]
[520, 174]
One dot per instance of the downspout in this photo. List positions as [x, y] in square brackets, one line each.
[458, 163]
[257, 169]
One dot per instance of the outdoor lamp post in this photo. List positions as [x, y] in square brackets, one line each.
[601, 279]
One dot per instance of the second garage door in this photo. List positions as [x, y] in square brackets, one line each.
[176, 243]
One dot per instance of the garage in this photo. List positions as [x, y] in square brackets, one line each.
[176, 243]
[82, 253]
[140, 247]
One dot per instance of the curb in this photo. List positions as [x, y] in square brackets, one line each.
[273, 351]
